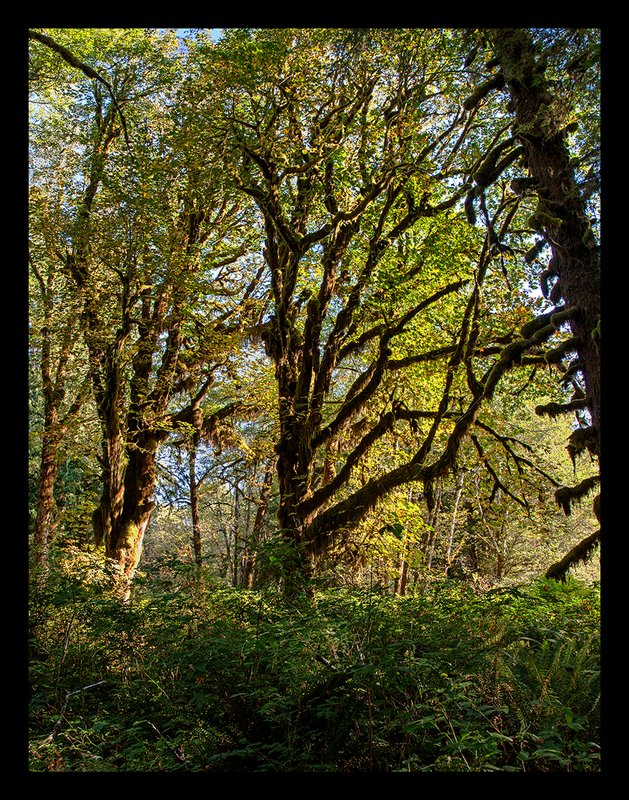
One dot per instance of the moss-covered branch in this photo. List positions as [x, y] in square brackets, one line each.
[497, 81]
[580, 553]
[566, 496]
[557, 409]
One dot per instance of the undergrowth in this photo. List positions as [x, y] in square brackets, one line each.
[216, 679]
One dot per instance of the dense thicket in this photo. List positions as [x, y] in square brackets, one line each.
[363, 682]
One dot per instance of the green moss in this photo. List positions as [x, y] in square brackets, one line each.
[544, 216]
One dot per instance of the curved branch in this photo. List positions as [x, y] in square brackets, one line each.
[69, 57]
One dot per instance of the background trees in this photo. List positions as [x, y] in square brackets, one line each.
[294, 273]
[147, 238]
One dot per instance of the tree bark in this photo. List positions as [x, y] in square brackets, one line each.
[561, 216]
[194, 506]
[562, 221]
[56, 421]
[460, 480]
[46, 506]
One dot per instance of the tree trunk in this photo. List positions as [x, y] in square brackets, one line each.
[460, 479]
[433, 517]
[561, 214]
[561, 219]
[236, 535]
[194, 506]
[45, 519]
[126, 505]
[248, 559]
[402, 579]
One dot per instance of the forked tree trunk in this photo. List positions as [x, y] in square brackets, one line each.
[126, 506]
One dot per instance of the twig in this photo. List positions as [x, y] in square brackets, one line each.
[57, 724]
[176, 751]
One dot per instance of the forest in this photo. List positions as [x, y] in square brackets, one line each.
[314, 380]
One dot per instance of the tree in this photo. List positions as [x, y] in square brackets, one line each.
[54, 344]
[149, 229]
[355, 165]
[59, 376]
[543, 119]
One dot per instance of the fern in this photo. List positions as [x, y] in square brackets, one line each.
[552, 689]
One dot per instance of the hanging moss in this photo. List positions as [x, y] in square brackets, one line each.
[555, 293]
[547, 274]
[564, 315]
[596, 333]
[531, 327]
[580, 553]
[567, 496]
[537, 248]
[486, 172]
[470, 211]
[540, 220]
[573, 367]
[553, 410]
[513, 352]
[580, 440]
[521, 185]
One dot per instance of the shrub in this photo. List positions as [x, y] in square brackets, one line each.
[219, 679]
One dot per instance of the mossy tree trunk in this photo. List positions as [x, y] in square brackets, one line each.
[561, 216]
[46, 507]
[562, 221]
[59, 412]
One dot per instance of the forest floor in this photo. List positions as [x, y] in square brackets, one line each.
[214, 679]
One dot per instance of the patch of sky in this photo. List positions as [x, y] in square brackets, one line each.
[188, 33]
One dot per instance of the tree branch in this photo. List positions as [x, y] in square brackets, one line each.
[88, 71]
[580, 553]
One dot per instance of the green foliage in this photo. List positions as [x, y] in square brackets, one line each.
[220, 680]
[175, 197]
